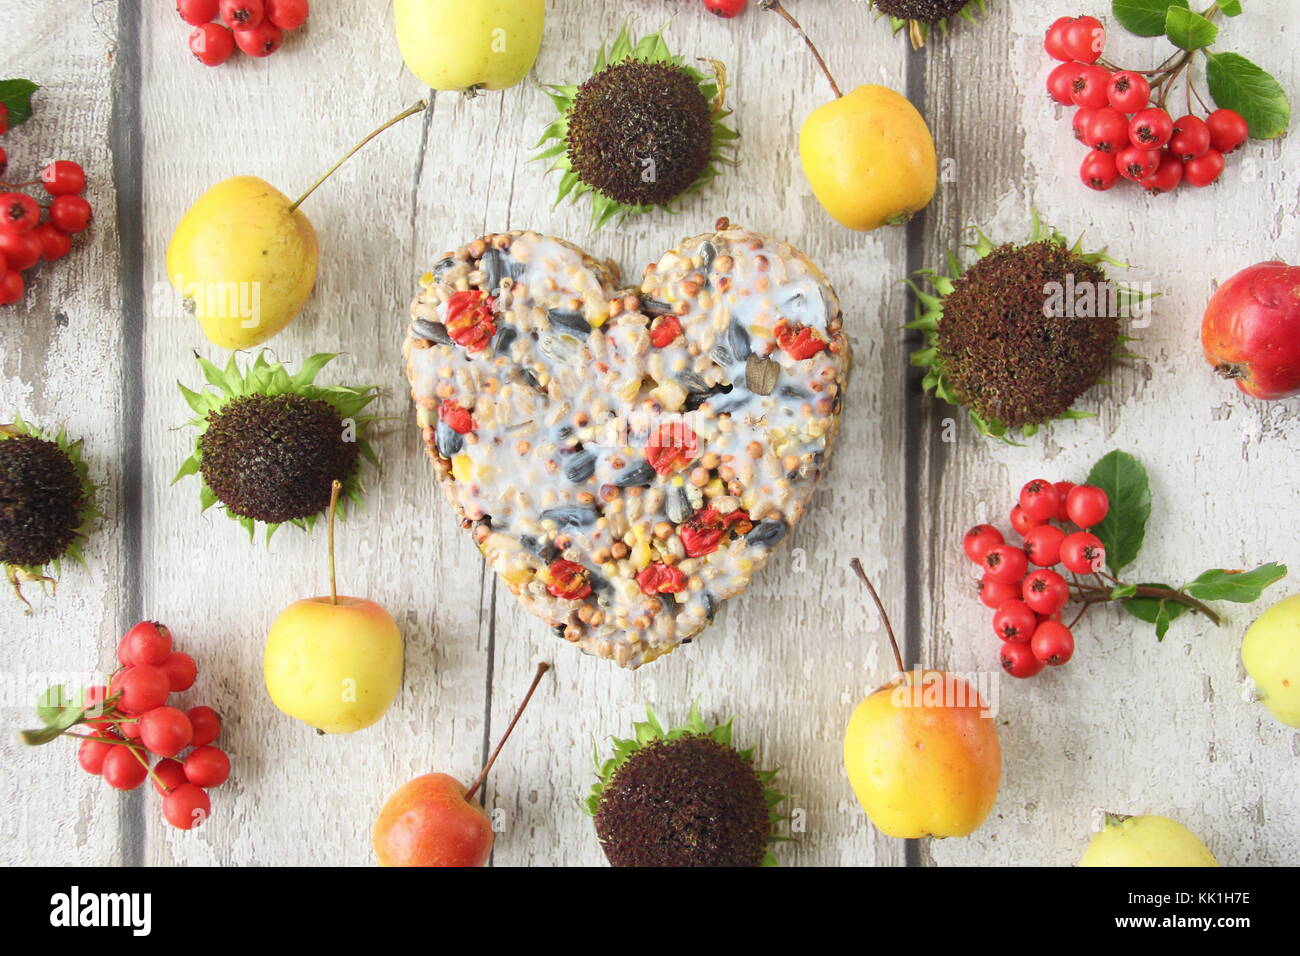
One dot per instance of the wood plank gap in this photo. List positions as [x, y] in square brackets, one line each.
[913, 431]
[128, 180]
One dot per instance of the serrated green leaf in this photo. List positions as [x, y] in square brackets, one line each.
[16, 95]
[1146, 18]
[1125, 482]
[1240, 587]
[1189, 31]
[1238, 84]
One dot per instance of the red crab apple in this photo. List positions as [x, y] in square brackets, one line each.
[1251, 330]
[434, 821]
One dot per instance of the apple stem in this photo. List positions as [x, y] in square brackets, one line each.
[775, 7]
[856, 565]
[410, 110]
[542, 668]
[335, 488]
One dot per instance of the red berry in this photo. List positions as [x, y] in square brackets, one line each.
[212, 44]
[181, 671]
[1043, 545]
[197, 12]
[1167, 175]
[1150, 128]
[143, 687]
[1005, 563]
[123, 768]
[1086, 505]
[1063, 488]
[11, 286]
[1128, 92]
[206, 723]
[1052, 643]
[130, 729]
[1040, 500]
[1191, 137]
[1107, 130]
[1022, 521]
[287, 14]
[147, 643]
[1088, 88]
[186, 807]
[55, 243]
[1014, 620]
[1136, 163]
[1018, 659]
[165, 730]
[725, 8]
[1098, 170]
[1082, 117]
[979, 540]
[1083, 553]
[1228, 130]
[171, 773]
[18, 212]
[4, 119]
[4, 162]
[92, 701]
[1045, 591]
[1054, 41]
[1084, 39]
[207, 767]
[993, 594]
[63, 178]
[261, 40]
[21, 250]
[1060, 82]
[242, 13]
[1204, 169]
[70, 213]
[91, 753]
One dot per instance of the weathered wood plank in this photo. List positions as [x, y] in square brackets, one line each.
[1129, 725]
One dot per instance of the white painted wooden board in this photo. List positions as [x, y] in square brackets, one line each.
[1127, 725]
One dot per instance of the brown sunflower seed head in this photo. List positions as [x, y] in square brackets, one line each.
[926, 11]
[41, 499]
[640, 133]
[274, 459]
[1007, 360]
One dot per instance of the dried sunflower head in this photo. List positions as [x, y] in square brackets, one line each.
[271, 444]
[1013, 338]
[918, 17]
[642, 131]
[683, 797]
[47, 502]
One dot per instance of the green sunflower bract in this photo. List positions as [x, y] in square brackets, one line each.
[684, 797]
[918, 17]
[47, 502]
[995, 347]
[642, 131]
[271, 444]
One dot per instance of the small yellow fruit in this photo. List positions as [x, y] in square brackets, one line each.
[337, 667]
[1145, 841]
[923, 757]
[469, 44]
[869, 157]
[244, 263]
[1270, 652]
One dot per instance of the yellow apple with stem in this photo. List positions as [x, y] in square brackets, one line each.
[244, 256]
[1145, 841]
[868, 154]
[469, 45]
[922, 752]
[333, 662]
[1270, 652]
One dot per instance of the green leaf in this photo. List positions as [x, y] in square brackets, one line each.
[53, 702]
[1125, 482]
[1242, 587]
[1230, 8]
[1238, 84]
[1123, 591]
[1158, 611]
[58, 711]
[1188, 30]
[16, 95]
[1146, 18]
